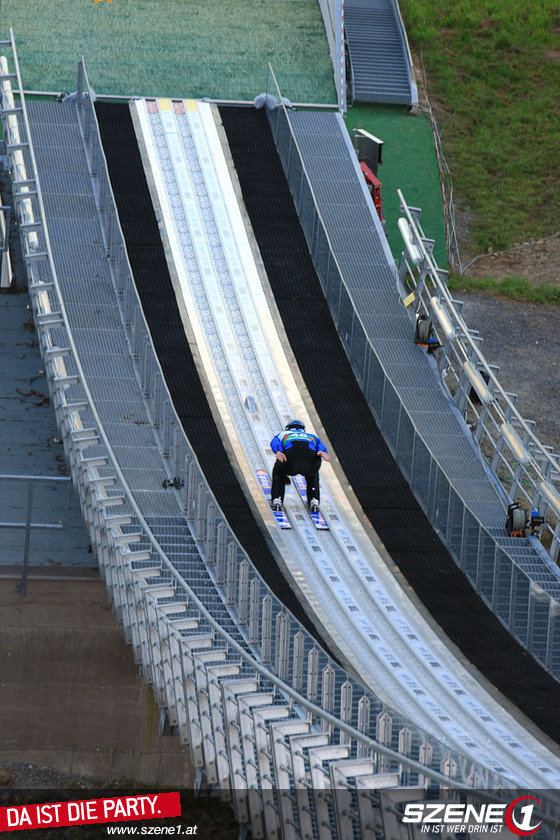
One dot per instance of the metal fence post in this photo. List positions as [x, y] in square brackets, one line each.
[22, 585]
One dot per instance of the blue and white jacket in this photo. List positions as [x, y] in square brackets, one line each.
[284, 440]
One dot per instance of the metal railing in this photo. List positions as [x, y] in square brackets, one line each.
[332, 12]
[527, 470]
[264, 709]
[523, 592]
[5, 261]
[408, 55]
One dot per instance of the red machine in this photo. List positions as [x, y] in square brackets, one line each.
[374, 185]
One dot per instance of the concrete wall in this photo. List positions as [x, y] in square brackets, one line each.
[71, 697]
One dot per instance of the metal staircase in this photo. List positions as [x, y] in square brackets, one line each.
[378, 54]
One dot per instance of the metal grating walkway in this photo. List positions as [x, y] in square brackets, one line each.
[360, 248]
[92, 307]
[91, 302]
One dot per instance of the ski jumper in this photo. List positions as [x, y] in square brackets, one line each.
[300, 449]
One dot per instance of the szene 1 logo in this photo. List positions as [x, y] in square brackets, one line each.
[488, 818]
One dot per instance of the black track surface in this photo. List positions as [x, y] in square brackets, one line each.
[151, 275]
[376, 479]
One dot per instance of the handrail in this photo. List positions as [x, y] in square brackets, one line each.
[114, 460]
[472, 355]
[466, 335]
[406, 46]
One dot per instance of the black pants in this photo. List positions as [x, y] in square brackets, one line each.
[301, 460]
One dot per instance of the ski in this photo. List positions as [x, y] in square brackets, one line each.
[316, 516]
[266, 486]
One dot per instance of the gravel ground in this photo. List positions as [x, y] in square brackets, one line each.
[30, 777]
[524, 340]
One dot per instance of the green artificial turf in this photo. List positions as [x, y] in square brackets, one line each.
[215, 48]
[409, 164]
[220, 49]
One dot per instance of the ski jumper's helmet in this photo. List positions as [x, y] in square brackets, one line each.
[295, 424]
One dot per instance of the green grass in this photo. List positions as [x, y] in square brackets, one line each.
[216, 48]
[494, 69]
[517, 288]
